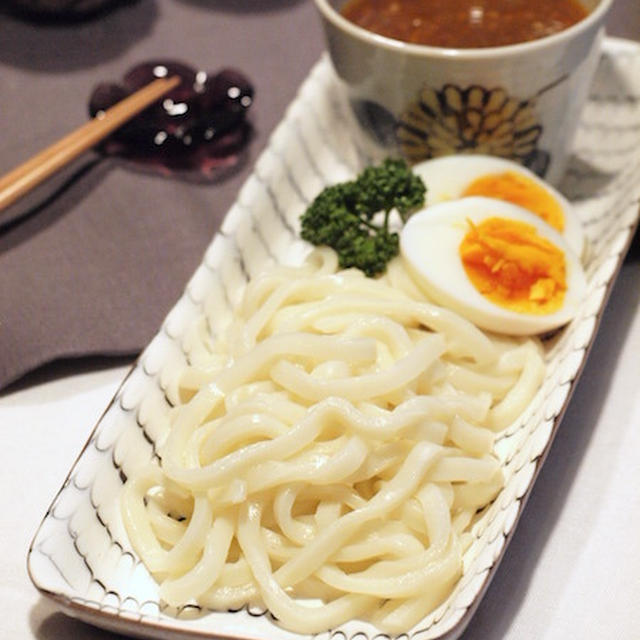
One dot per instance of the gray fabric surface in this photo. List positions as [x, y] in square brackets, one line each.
[94, 269]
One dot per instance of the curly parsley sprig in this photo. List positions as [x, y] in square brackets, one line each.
[342, 215]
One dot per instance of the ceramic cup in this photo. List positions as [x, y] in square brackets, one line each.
[520, 101]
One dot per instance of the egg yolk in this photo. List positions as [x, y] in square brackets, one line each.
[514, 267]
[520, 190]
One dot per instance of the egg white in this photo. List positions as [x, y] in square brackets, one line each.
[447, 177]
[430, 244]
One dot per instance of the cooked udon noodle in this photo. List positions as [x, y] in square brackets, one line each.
[334, 449]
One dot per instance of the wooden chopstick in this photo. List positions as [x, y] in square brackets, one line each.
[44, 164]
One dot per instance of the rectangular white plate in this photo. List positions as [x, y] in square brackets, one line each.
[80, 556]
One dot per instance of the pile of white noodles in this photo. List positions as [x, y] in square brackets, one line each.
[333, 450]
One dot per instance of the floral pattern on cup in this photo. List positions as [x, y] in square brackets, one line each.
[471, 120]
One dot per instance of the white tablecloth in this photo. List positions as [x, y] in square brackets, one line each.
[571, 571]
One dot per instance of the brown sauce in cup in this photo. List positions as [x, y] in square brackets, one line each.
[464, 23]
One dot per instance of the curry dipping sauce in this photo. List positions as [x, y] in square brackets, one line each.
[464, 24]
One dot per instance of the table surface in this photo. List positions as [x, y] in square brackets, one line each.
[572, 569]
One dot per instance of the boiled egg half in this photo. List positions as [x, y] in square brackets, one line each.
[452, 177]
[499, 265]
